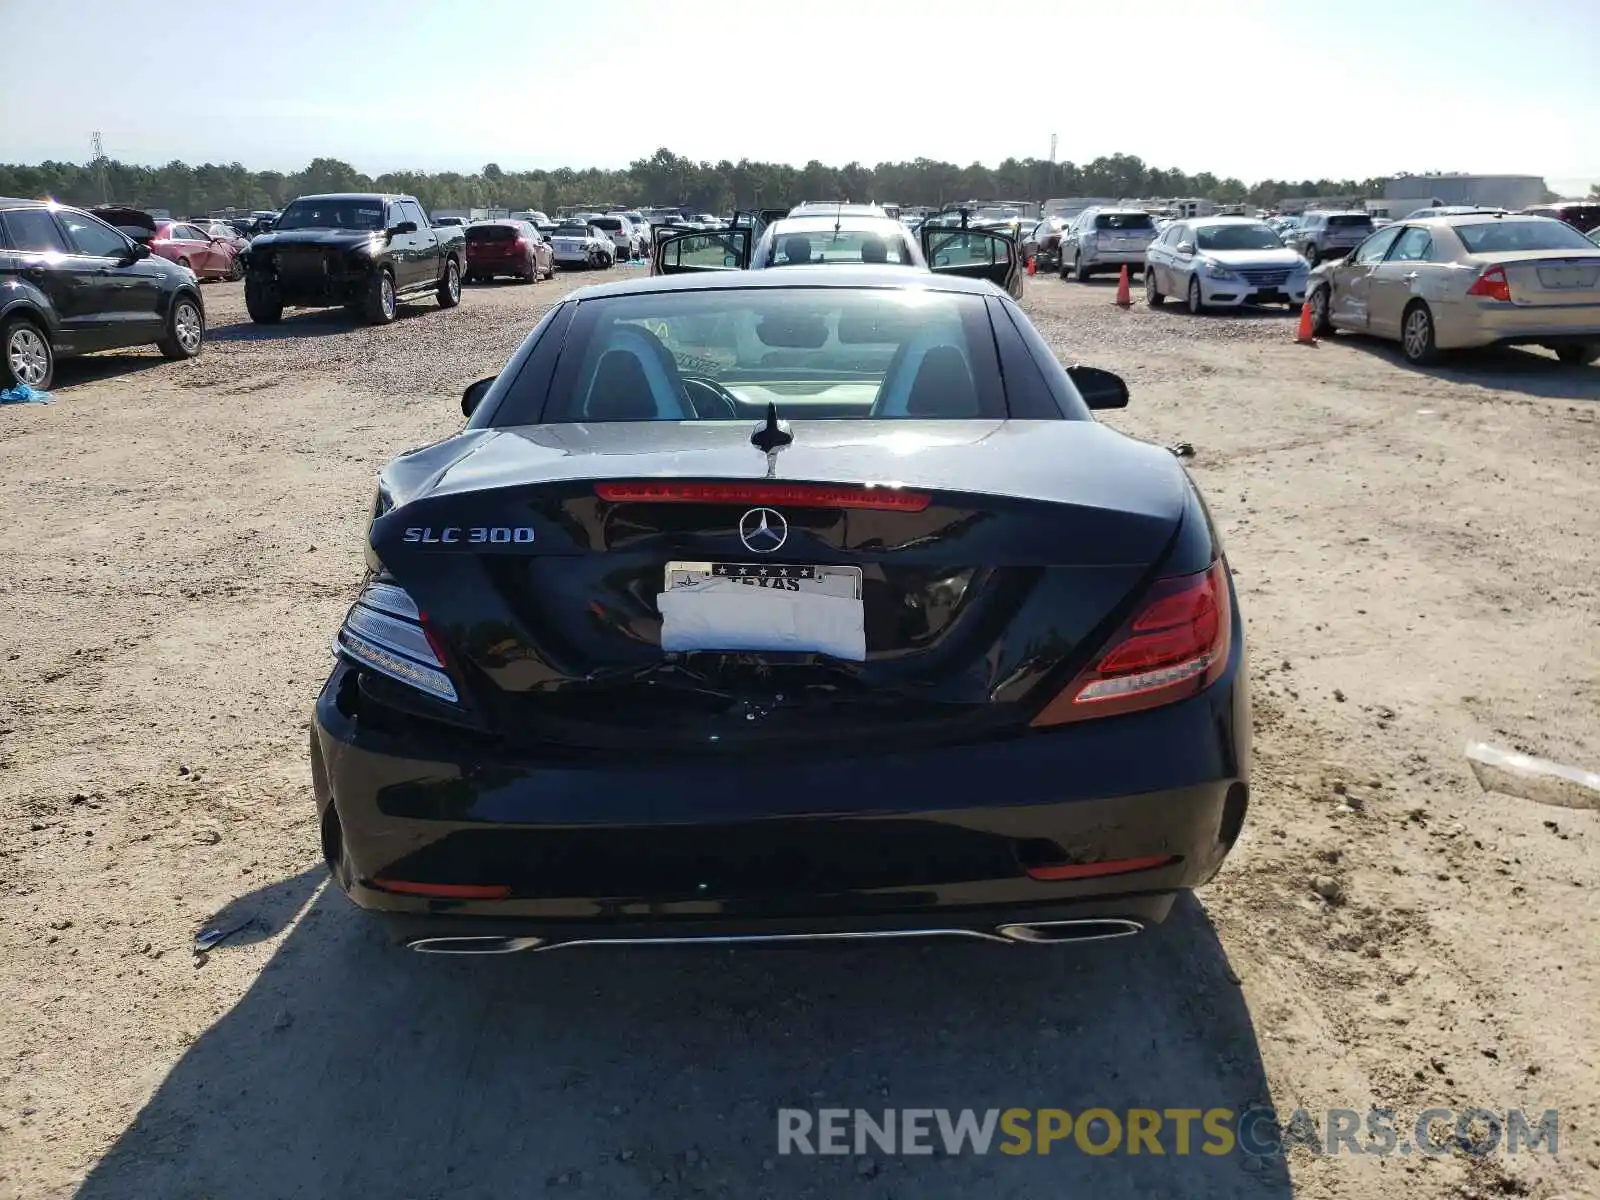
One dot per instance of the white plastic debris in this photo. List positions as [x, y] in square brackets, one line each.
[1537, 779]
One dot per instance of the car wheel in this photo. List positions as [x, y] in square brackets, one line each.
[1312, 255]
[531, 275]
[1321, 325]
[1152, 296]
[1061, 266]
[25, 355]
[1197, 304]
[186, 329]
[184, 263]
[1416, 335]
[450, 286]
[379, 305]
[263, 302]
[1079, 271]
[1578, 356]
[236, 269]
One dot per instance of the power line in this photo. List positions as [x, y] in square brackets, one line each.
[99, 148]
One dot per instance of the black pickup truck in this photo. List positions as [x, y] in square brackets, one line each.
[364, 251]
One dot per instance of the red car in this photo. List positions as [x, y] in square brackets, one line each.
[190, 246]
[508, 248]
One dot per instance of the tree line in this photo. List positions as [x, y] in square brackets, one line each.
[664, 178]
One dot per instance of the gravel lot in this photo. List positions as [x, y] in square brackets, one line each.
[1416, 557]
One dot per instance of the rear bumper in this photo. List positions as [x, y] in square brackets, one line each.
[1114, 258]
[1475, 323]
[939, 840]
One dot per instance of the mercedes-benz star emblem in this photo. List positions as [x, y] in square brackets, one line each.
[763, 530]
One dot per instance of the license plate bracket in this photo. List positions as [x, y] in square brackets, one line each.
[763, 606]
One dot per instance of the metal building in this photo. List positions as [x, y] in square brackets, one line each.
[1405, 192]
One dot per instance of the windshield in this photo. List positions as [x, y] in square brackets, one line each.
[847, 246]
[1349, 221]
[332, 214]
[492, 233]
[572, 231]
[1503, 236]
[823, 353]
[1237, 237]
[1124, 221]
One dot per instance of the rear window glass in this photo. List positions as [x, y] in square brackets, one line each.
[1350, 220]
[846, 246]
[1124, 221]
[817, 353]
[610, 224]
[492, 233]
[1507, 236]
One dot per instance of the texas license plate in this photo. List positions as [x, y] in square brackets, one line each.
[773, 607]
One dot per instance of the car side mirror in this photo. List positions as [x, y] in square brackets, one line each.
[1099, 388]
[403, 227]
[473, 396]
[1186, 248]
[138, 250]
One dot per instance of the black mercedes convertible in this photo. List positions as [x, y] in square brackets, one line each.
[781, 606]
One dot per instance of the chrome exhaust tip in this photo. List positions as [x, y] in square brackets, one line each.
[1052, 932]
[474, 945]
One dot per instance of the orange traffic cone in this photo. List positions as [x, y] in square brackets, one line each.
[1124, 299]
[1032, 267]
[1305, 335]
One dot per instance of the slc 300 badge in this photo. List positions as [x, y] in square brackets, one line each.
[477, 535]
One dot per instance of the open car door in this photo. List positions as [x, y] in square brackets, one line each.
[973, 253]
[696, 250]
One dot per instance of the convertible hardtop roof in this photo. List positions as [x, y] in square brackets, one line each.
[797, 278]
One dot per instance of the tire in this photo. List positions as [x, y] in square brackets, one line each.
[263, 301]
[1311, 254]
[185, 334]
[1152, 296]
[532, 273]
[26, 356]
[1578, 356]
[550, 273]
[1417, 335]
[1320, 300]
[379, 306]
[1194, 297]
[1061, 268]
[184, 263]
[1079, 272]
[236, 269]
[449, 292]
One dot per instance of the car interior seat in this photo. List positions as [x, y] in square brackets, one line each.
[912, 384]
[636, 379]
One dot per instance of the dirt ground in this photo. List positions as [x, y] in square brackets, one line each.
[1416, 557]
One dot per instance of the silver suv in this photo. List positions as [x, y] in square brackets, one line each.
[1331, 234]
[1105, 238]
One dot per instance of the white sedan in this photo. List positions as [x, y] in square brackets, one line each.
[581, 246]
[1224, 262]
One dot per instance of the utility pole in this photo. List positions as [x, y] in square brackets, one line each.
[100, 165]
[1052, 149]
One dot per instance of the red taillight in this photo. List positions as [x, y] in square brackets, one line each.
[1492, 284]
[445, 891]
[520, 244]
[800, 495]
[1174, 647]
[1094, 870]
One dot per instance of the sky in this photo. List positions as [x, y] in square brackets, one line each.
[1245, 88]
